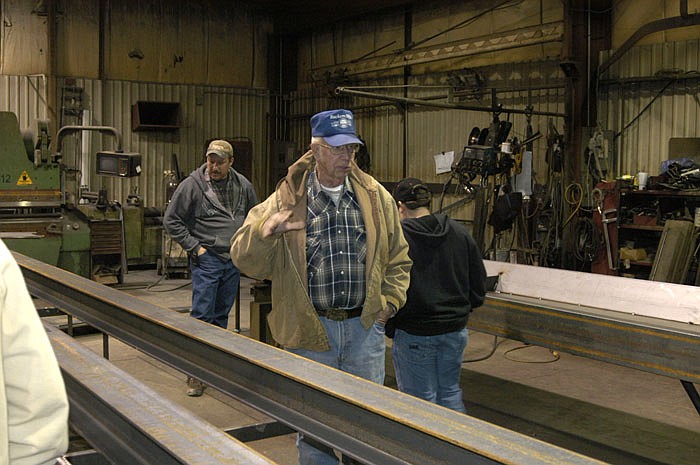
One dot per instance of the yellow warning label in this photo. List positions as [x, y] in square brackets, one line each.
[24, 179]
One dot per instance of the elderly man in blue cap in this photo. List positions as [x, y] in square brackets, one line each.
[329, 238]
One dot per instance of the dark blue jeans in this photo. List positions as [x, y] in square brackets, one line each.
[355, 350]
[214, 288]
[429, 367]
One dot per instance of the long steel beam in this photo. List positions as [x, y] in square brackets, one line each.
[438, 104]
[654, 345]
[127, 422]
[366, 421]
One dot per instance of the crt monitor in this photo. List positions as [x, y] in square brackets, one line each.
[119, 164]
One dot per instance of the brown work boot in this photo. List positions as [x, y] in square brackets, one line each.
[195, 388]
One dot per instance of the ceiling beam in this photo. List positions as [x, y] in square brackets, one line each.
[544, 33]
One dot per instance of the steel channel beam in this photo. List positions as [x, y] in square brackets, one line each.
[127, 422]
[654, 345]
[367, 421]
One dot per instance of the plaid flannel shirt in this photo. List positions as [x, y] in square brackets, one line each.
[336, 248]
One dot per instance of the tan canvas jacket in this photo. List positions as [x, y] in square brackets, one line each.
[281, 258]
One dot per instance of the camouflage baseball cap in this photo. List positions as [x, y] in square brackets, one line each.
[220, 148]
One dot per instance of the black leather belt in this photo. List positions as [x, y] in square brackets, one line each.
[340, 314]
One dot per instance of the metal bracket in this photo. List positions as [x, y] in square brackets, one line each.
[608, 248]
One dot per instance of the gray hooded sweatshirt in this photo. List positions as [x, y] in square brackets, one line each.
[195, 216]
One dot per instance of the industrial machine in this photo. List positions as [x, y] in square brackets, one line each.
[40, 219]
[174, 261]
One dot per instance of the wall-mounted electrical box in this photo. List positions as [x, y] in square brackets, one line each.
[155, 116]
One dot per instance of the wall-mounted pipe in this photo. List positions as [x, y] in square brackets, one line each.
[684, 20]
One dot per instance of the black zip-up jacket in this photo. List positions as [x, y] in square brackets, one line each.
[448, 278]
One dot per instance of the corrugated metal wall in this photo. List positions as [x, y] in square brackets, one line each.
[654, 110]
[427, 131]
[647, 97]
[25, 96]
[207, 112]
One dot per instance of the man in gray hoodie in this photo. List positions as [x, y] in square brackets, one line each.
[206, 209]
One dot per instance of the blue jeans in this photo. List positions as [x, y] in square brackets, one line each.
[214, 289]
[429, 367]
[355, 350]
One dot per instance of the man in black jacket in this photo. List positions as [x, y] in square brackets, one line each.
[448, 280]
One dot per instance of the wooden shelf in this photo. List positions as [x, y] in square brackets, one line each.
[644, 230]
[641, 227]
[660, 193]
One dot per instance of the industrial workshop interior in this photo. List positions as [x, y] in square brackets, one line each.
[563, 134]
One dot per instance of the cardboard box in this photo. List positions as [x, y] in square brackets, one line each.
[635, 255]
[644, 220]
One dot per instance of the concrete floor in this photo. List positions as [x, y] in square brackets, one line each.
[618, 415]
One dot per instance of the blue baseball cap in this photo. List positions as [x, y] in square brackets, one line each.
[337, 127]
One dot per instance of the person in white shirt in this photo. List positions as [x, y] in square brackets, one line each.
[33, 400]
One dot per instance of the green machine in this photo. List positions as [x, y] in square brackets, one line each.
[87, 239]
